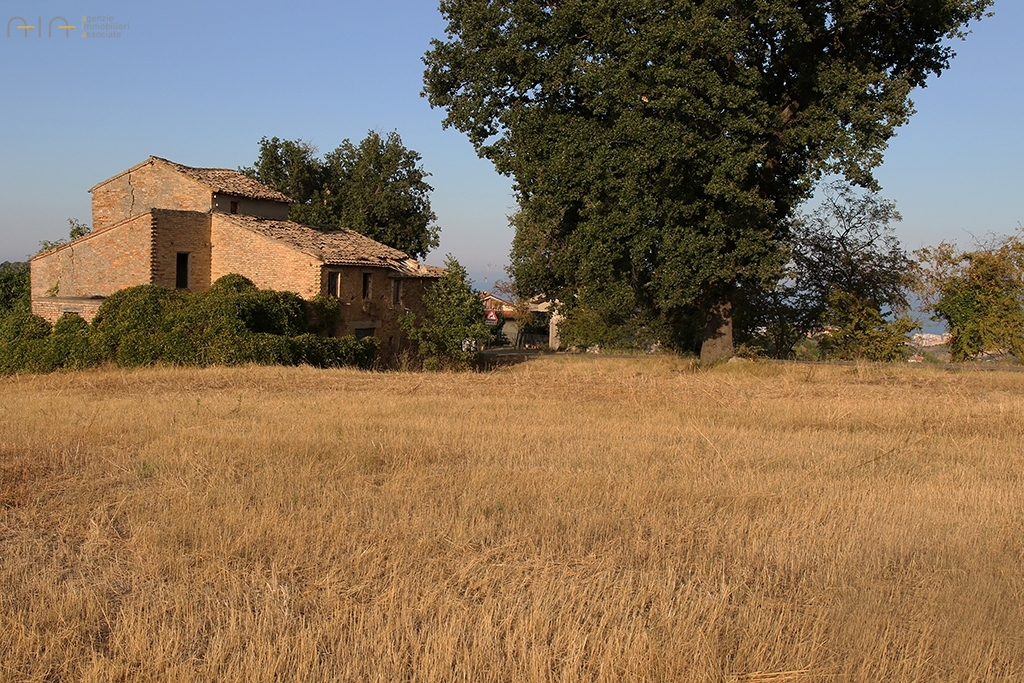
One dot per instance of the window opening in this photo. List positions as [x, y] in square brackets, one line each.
[181, 271]
[334, 284]
[367, 277]
[363, 332]
[234, 207]
[396, 291]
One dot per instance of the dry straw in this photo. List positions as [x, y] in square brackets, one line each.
[568, 519]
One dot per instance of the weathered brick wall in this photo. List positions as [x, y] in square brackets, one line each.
[152, 185]
[263, 208]
[53, 307]
[378, 312]
[268, 263]
[181, 231]
[98, 264]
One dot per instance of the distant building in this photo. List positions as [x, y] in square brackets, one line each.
[177, 226]
[506, 310]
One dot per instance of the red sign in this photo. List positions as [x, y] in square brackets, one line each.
[492, 317]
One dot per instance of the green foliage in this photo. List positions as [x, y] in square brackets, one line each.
[233, 282]
[131, 324]
[376, 188]
[323, 313]
[15, 287]
[846, 272]
[857, 331]
[232, 323]
[584, 327]
[21, 325]
[659, 148]
[76, 229]
[978, 294]
[332, 352]
[70, 323]
[27, 343]
[454, 321]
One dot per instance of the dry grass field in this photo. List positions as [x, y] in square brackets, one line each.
[567, 519]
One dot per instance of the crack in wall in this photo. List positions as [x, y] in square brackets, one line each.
[131, 190]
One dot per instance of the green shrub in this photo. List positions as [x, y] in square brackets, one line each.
[261, 349]
[271, 312]
[233, 323]
[31, 355]
[136, 318]
[332, 352]
[70, 323]
[20, 325]
[232, 282]
[857, 331]
[322, 314]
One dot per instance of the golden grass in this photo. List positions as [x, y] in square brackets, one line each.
[568, 519]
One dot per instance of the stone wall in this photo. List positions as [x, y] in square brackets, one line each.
[98, 264]
[137, 191]
[177, 232]
[268, 263]
[379, 311]
[53, 307]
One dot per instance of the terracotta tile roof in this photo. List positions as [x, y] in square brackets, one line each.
[228, 181]
[337, 247]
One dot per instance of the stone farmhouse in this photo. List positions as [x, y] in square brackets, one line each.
[177, 226]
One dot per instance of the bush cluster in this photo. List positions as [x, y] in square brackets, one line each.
[231, 324]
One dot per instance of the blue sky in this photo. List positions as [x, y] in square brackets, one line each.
[201, 83]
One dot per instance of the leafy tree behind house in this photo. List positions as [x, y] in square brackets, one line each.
[454, 322]
[15, 287]
[979, 294]
[377, 188]
[659, 148]
[76, 229]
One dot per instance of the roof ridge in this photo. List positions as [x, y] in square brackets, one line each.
[340, 246]
[233, 182]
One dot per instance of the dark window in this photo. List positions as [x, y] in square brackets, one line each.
[362, 332]
[234, 207]
[396, 291]
[334, 284]
[367, 277]
[181, 271]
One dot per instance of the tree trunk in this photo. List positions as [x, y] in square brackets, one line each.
[717, 344]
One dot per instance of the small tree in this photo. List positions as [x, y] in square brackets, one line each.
[847, 279]
[76, 229]
[454, 323]
[978, 294]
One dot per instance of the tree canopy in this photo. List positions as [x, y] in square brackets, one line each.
[979, 294]
[659, 147]
[377, 188]
[14, 287]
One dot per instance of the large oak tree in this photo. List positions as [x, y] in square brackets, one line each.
[659, 147]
